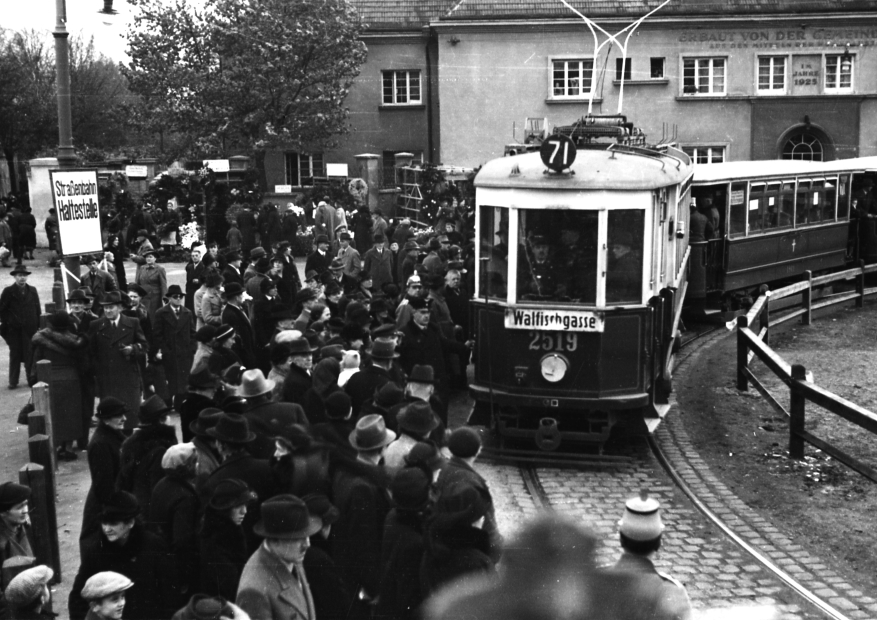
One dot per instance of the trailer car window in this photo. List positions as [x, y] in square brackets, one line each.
[738, 210]
[829, 201]
[787, 205]
[844, 193]
[756, 207]
[802, 204]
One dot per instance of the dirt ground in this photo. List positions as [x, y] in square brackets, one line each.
[830, 509]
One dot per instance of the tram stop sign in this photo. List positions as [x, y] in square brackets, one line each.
[558, 153]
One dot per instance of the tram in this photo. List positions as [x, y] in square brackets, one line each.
[581, 270]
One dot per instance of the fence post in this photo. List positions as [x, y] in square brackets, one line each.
[807, 301]
[39, 450]
[764, 317]
[860, 285]
[42, 401]
[797, 406]
[44, 521]
[742, 353]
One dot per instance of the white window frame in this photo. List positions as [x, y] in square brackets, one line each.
[395, 73]
[838, 89]
[709, 61]
[695, 149]
[772, 88]
[583, 94]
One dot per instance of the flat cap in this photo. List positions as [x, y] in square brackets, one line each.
[103, 584]
[26, 586]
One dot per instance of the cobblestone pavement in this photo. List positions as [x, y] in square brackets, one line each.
[716, 571]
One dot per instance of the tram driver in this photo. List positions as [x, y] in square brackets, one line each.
[537, 271]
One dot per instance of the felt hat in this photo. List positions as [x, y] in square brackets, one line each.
[223, 332]
[136, 288]
[410, 245]
[111, 407]
[12, 494]
[286, 517]
[60, 320]
[263, 265]
[27, 585]
[77, 295]
[380, 237]
[231, 492]
[300, 346]
[174, 289]
[458, 505]
[232, 289]
[232, 428]
[424, 453]
[384, 349]
[337, 405]
[111, 298]
[257, 253]
[387, 330]
[321, 239]
[335, 351]
[388, 395]
[87, 290]
[641, 520]
[311, 275]
[371, 433]
[336, 265]
[345, 236]
[233, 403]
[418, 417]
[149, 252]
[207, 418]
[254, 383]
[103, 584]
[336, 323]
[305, 294]
[422, 373]
[410, 489]
[205, 607]
[340, 226]
[279, 353]
[120, 506]
[232, 257]
[320, 506]
[152, 410]
[142, 233]
[418, 303]
[464, 442]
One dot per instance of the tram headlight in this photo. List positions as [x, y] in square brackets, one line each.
[554, 367]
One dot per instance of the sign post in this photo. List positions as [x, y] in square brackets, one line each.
[75, 195]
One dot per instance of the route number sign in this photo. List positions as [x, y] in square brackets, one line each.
[558, 153]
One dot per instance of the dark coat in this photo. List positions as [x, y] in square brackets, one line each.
[296, 384]
[194, 280]
[328, 588]
[289, 227]
[318, 262]
[267, 420]
[402, 555]
[458, 305]
[192, 404]
[336, 434]
[174, 337]
[223, 555]
[246, 340]
[141, 462]
[379, 265]
[457, 471]
[104, 464]
[427, 346]
[173, 514]
[68, 353]
[247, 225]
[451, 554]
[230, 274]
[118, 375]
[20, 309]
[360, 493]
[143, 559]
[361, 386]
[100, 283]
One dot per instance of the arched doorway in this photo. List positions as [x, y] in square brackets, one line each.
[805, 142]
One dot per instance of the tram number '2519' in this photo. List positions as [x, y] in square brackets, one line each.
[553, 341]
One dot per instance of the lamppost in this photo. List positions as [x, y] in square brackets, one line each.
[66, 156]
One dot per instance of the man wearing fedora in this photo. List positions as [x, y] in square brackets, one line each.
[415, 422]
[100, 282]
[115, 341]
[363, 385]
[266, 417]
[298, 378]
[232, 434]
[274, 585]
[232, 271]
[349, 256]
[123, 545]
[80, 310]
[320, 259]
[378, 262]
[360, 492]
[19, 321]
[348, 284]
[234, 315]
[173, 331]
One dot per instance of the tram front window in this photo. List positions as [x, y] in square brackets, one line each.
[494, 248]
[557, 256]
[624, 270]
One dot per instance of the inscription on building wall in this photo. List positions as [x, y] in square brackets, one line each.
[777, 38]
[805, 75]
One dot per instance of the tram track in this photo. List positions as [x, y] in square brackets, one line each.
[530, 474]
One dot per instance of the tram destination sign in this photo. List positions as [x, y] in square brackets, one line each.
[544, 319]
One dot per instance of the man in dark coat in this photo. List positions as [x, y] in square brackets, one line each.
[266, 418]
[232, 271]
[360, 492]
[298, 379]
[116, 342]
[363, 384]
[194, 275]
[232, 434]
[104, 461]
[126, 547]
[234, 315]
[100, 282]
[19, 321]
[378, 263]
[321, 258]
[173, 329]
[202, 389]
[291, 279]
[348, 284]
[247, 225]
[142, 452]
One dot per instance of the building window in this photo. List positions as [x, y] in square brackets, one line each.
[622, 69]
[703, 76]
[772, 74]
[301, 168]
[656, 68]
[803, 146]
[401, 88]
[705, 154]
[839, 73]
[572, 78]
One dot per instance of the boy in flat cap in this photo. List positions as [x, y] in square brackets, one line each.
[105, 593]
[28, 592]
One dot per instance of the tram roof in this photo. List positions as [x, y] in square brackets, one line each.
[595, 169]
[743, 170]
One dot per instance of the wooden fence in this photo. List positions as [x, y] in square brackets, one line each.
[752, 343]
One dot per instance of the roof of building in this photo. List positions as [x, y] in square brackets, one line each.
[407, 14]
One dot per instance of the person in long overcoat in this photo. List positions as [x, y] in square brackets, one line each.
[272, 228]
[68, 352]
[142, 452]
[222, 540]
[327, 586]
[247, 225]
[173, 329]
[115, 246]
[153, 278]
[266, 417]
[378, 263]
[99, 281]
[19, 320]
[234, 316]
[324, 220]
[27, 231]
[289, 224]
[104, 461]
[115, 341]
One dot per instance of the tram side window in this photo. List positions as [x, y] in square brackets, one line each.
[624, 270]
[756, 207]
[802, 204]
[494, 246]
[557, 256]
[774, 214]
[739, 208]
[787, 205]
[843, 197]
[829, 200]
